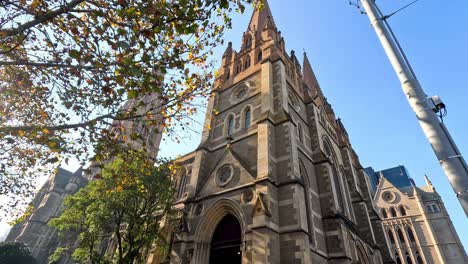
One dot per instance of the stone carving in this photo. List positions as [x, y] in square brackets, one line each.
[188, 256]
[261, 206]
[198, 209]
[247, 196]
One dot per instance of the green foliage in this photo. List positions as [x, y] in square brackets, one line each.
[15, 253]
[29, 210]
[67, 67]
[55, 257]
[128, 205]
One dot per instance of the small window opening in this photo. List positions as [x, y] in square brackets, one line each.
[247, 118]
[230, 128]
[259, 56]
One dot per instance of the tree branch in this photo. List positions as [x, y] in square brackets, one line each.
[45, 64]
[40, 19]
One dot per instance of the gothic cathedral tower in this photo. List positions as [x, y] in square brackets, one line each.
[275, 179]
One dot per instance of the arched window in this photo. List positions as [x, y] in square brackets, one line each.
[419, 259]
[384, 213]
[300, 133]
[230, 125]
[246, 62]
[408, 260]
[391, 237]
[248, 41]
[411, 235]
[400, 236]
[334, 175]
[305, 178]
[402, 210]
[247, 118]
[182, 182]
[339, 192]
[393, 212]
[259, 56]
[347, 195]
[228, 73]
[239, 68]
[398, 260]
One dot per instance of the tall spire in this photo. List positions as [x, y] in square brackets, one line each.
[309, 76]
[261, 17]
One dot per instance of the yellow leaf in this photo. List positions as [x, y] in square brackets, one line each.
[35, 3]
[45, 131]
[21, 133]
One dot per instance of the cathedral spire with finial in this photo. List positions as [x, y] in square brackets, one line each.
[261, 19]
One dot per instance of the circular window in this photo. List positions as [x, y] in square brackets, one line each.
[388, 197]
[241, 93]
[224, 175]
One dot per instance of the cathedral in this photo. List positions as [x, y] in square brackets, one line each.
[274, 179]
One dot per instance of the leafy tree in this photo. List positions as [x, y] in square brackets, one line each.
[67, 67]
[127, 206]
[15, 253]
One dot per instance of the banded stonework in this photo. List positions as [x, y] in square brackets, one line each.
[416, 224]
[274, 179]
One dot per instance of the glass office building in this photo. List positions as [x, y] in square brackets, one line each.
[398, 176]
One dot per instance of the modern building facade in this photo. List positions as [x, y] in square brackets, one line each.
[34, 231]
[417, 226]
[275, 178]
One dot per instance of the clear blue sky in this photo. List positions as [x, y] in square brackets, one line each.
[358, 81]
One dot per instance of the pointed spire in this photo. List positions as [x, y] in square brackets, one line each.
[309, 77]
[428, 182]
[295, 60]
[228, 52]
[261, 18]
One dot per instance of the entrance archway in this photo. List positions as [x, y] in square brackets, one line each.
[226, 242]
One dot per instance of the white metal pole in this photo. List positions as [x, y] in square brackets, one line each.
[438, 136]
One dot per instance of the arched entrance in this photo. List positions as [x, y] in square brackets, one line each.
[226, 242]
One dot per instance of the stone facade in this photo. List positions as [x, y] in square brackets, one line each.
[274, 156]
[417, 226]
[34, 231]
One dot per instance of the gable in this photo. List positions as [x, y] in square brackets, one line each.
[230, 171]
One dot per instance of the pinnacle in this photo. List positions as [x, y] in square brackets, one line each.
[309, 76]
[261, 18]
[428, 182]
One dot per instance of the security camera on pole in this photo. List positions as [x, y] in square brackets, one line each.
[426, 109]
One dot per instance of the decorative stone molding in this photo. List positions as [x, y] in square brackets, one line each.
[198, 209]
[261, 206]
[247, 196]
[208, 224]
[224, 175]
